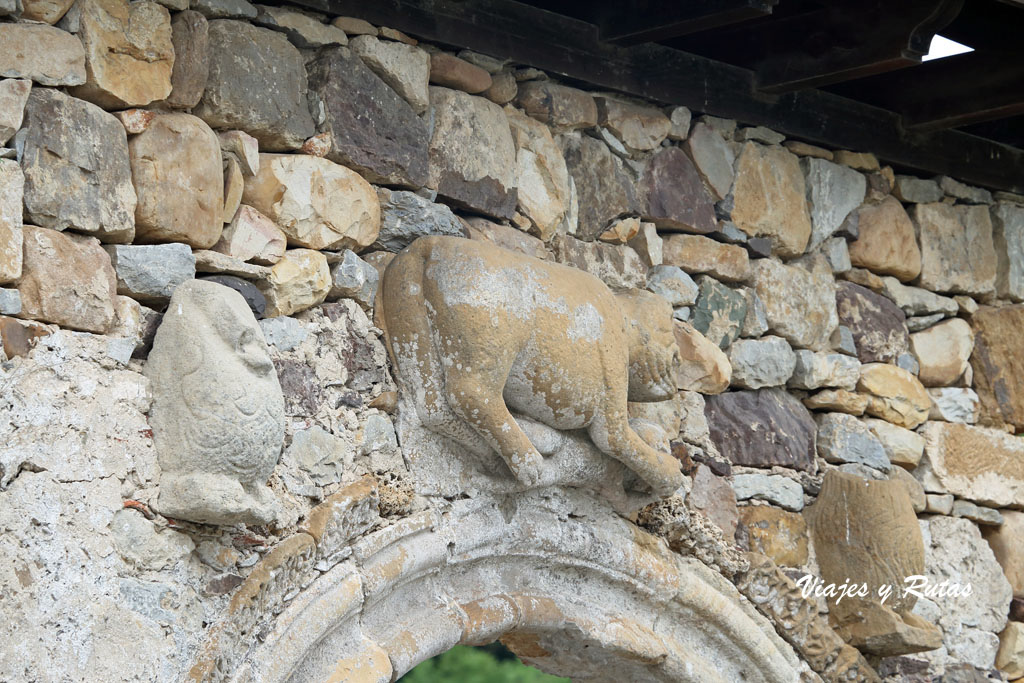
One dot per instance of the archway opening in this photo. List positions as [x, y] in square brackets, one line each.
[492, 663]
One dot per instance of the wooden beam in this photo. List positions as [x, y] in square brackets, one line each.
[655, 20]
[557, 44]
[955, 91]
[849, 40]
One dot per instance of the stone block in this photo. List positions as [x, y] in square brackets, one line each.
[773, 488]
[982, 465]
[902, 446]
[672, 284]
[640, 128]
[785, 434]
[759, 363]
[474, 170]
[317, 203]
[799, 305]
[67, 280]
[129, 55]
[943, 351]
[246, 59]
[251, 236]
[304, 30]
[561, 107]
[779, 534]
[713, 157]
[190, 37]
[354, 278]
[300, 280]
[151, 273]
[177, 173]
[13, 97]
[957, 248]
[886, 243]
[615, 264]
[12, 185]
[720, 311]
[817, 369]
[703, 366]
[405, 68]
[406, 216]
[769, 198]
[1008, 231]
[41, 53]
[544, 194]
[895, 394]
[449, 71]
[878, 326]
[843, 438]
[998, 364]
[605, 188]
[833, 192]
[77, 173]
[697, 254]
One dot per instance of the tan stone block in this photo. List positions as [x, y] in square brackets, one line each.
[943, 351]
[1010, 658]
[770, 201]
[451, 72]
[1007, 543]
[982, 465]
[838, 400]
[886, 243]
[128, 52]
[68, 280]
[697, 254]
[640, 128]
[704, 368]
[12, 185]
[244, 147]
[999, 364]
[894, 394]
[862, 161]
[300, 280]
[542, 178]
[317, 203]
[251, 236]
[774, 532]
[13, 96]
[178, 177]
[44, 54]
[46, 11]
[957, 248]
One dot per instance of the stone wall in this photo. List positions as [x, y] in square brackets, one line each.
[849, 391]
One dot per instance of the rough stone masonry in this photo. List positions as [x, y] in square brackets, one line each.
[210, 469]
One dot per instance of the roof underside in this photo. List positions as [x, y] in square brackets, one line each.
[844, 73]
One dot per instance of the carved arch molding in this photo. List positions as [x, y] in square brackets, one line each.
[572, 588]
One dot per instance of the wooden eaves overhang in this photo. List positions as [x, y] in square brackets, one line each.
[843, 73]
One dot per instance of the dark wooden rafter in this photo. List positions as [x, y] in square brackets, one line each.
[572, 48]
[951, 92]
[849, 40]
[655, 20]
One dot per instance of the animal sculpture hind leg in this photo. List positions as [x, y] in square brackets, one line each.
[475, 396]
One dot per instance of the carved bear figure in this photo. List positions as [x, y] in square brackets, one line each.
[475, 330]
[218, 411]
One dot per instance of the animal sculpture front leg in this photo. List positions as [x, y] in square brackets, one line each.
[610, 431]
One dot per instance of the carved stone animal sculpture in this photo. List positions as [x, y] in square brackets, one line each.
[475, 330]
[218, 412]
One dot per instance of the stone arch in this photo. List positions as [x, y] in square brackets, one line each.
[572, 588]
